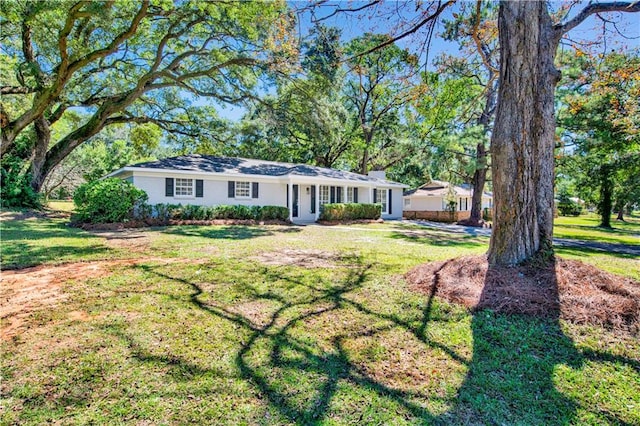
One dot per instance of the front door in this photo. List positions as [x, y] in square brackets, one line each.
[296, 201]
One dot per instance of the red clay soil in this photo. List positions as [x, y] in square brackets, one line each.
[567, 289]
[25, 291]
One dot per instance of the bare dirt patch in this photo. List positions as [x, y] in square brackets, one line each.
[569, 289]
[25, 291]
[302, 258]
[129, 239]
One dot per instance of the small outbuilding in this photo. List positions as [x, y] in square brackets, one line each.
[442, 202]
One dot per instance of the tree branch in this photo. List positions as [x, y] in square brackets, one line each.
[616, 6]
[15, 90]
[410, 31]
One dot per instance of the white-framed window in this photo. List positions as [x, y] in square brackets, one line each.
[243, 189]
[350, 198]
[382, 199]
[324, 194]
[407, 202]
[183, 187]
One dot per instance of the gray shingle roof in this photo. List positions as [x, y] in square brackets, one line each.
[246, 166]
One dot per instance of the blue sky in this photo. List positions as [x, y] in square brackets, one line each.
[385, 18]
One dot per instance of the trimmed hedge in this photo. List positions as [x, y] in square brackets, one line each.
[567, 207]
[350, 211]
[165, 212]
[107, 200]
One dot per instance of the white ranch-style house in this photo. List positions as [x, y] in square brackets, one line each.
[209, 180]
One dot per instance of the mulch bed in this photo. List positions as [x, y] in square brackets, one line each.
[155, 222]
[348, 222]
[567, 289]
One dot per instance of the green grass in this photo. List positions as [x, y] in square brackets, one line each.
[585, 227]
[221, 338]
[34, 241]
[61, 206]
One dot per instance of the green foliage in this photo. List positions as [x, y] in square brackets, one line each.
[130, 62]
[272, 213]
[165, 212]
[322, 53]
[15, 188]
[350, 211]
[108, 200]
[568, 207]
[599, 126]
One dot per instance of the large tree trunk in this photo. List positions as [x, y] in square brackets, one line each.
[605, 206]
[480, 174]
[479, 179]
[522, 142]
[43, 139]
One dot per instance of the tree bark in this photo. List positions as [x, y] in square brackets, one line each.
[605, 206]
[479, 179]
[43, 139]
[522, 142]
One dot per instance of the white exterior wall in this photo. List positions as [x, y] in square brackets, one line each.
[432, 204]
[271, 192]
[215, 191]
[487, 202]
[396, 204]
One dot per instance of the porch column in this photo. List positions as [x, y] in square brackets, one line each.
[290, 201]
[317, 202]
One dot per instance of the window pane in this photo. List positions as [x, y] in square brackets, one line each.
[350, 194]
[243, 189]
[324, 194]
[382, 199]
[183, 187]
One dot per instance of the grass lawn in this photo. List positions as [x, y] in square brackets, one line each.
[235, 325]
[585, 227]
[61, 205]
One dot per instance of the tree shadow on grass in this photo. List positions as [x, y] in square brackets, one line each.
[509, 379]
[511, 375]
[299, 379]
[235, 232]
[22, 255]
[439, 238]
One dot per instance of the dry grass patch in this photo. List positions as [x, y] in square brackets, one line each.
[570, 289]
[304, 258]
[128, 239]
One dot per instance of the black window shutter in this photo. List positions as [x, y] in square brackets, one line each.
[313, 199]
[287, 196]
[232, 189]
[333, 194]
[254, 190]
[199, 188]
[389, 202]
[355, 195]
[375, 195]
[339, 194]
[168, 187]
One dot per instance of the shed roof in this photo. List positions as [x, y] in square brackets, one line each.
[438, 188]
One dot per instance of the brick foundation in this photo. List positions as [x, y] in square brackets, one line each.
[437, 216]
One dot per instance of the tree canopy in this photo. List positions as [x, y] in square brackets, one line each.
[127, 62]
